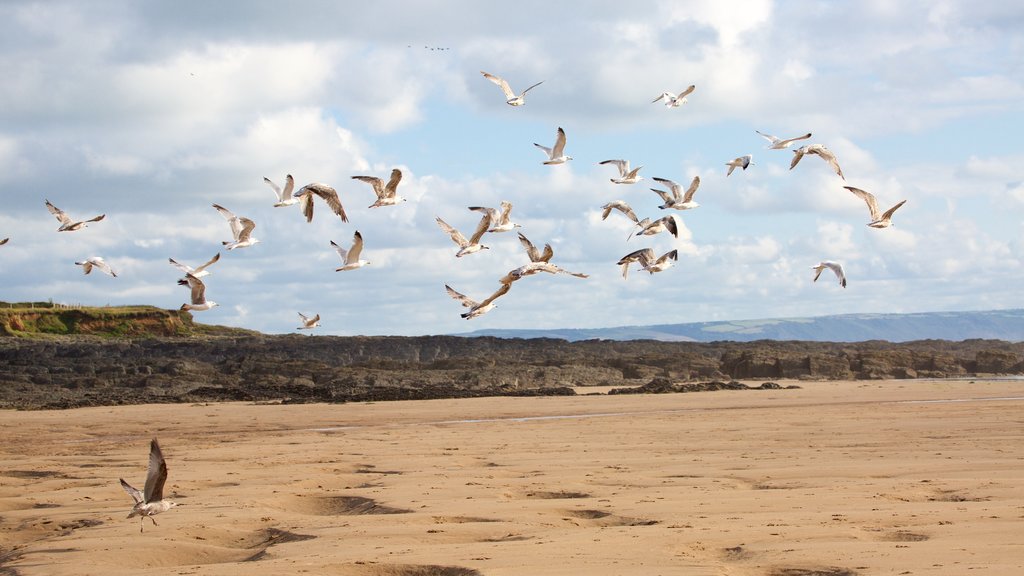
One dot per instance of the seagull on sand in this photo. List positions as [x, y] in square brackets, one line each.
[511, 98]
[532, 251]
[241, 229]
[197, 272]
[386, 194]
[676, 198]
[621, 206]
[150, 502]
[498, 221]
[66, 223]
[780, 144]
[308, 323]
[626, 176]
[833, 266]
[741, 162]
[673, 100]
[284, 197]
[820, 150]
[648, 228]
[95, 261]
[328, 194]
[556, 154]
[467, 246]
[198, 300]
[535, 267]
[878, 219]
[477, 308]
[645, 257]
[350, 257]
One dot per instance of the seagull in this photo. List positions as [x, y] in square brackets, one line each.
[741, 162]
[350, 257]
[98, 262]
[66, 223]
[467, 246]
[648, 228]
[676, 198]
[833, 266]
[556, 155]
[386, 194]
[477, 308]
[621, 206]
[197, 272]
[328, 194]
[284, 197]
[535, 267]
[241, 229]
[308, 323]
[510, 97]
[626, 176]
[150, 502]
[645, 257]
[532, 251]
[878, 219]
[780, 144]
[673, 100]
[820, 150]
[198, 300]
[498, 221]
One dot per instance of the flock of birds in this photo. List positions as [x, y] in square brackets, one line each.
[494, 220]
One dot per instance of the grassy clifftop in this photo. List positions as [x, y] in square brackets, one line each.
[34, 319]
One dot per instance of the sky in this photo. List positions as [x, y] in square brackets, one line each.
[150, 112]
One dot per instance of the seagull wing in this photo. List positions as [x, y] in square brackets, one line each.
[506, 212]
[392, 186]
[687, 92]
[198, 289]
[829, 157]
[61, 216]
[663, 96]
[622, 165]
[342, 253]
[457, 236]
[133, 492]
[838, 269]
[523, 93]
[509, 94]
[462, 298]
[559, 147]
[491, 213]
[797, 155]
[330, 195]
[481, 227]
[694, 184]
[277, 189]
[208, 264]
[157, 474]
[671, 225]
[620, 206]
[888, 213]
[102, 265]
[183, 267]
[671, 255]
[356, 249]
[771, 139]
[497, 294]
[672, 186]
[869, 198]
[789, 141]
[246, 226]
[377, 183]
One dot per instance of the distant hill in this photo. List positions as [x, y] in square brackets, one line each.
[990, 324]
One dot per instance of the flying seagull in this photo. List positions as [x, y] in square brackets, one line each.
[510, 97]
[66, 223]
[199, 272]
[532, 251]
[626, 176]
[535, 267]
[673, 100]
[676, 198]
[150, 502]
[308, 323]
[621, 206]
[741, 162]
[95, 261]
[878, 219]
[386, 194]
[498, 221]
[820, 150]
[645, 258]
[284, 197]
[198, 301]
[649, 228]
[350, 257]
[241, 229]
[467, 246]
[328, 194]
[556, 154]
[833, 266]
[477, 308]
[780, 144]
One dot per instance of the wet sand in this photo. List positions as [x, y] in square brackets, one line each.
[835, 478]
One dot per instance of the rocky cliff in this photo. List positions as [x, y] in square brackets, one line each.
[68, 371]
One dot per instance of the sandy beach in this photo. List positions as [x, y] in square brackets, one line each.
[834, 478]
